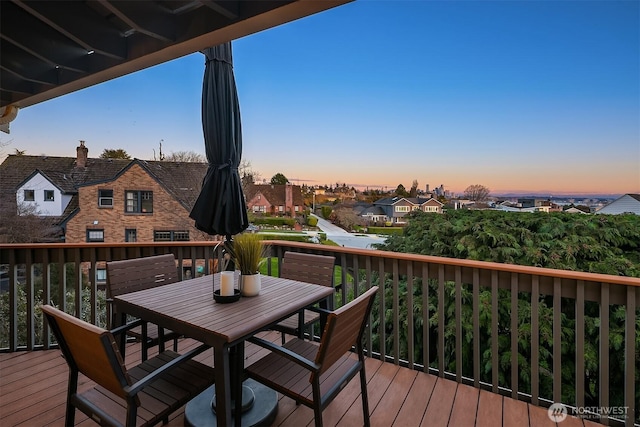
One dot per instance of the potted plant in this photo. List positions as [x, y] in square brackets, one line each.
[248, 253]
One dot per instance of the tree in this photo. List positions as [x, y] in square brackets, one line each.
[112, 153]
[186, 156]
[413, 192]
[345, 218]
[279, 179]
[477, 193]
[26, 225]
[401, 191]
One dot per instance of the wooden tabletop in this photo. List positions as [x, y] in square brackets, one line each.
[188, 307]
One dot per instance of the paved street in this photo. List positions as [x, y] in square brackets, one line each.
[348, 240]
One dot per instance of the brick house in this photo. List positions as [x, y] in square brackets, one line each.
[105, 200]
[278, 200]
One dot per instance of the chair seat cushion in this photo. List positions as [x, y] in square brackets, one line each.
[168, 393]
[293, 380]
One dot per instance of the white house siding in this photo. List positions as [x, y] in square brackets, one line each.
[39, 184]
[624, 204]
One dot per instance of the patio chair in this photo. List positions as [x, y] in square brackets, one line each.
[143, 395]
[135, 275]
[313, 374]
[309, 268]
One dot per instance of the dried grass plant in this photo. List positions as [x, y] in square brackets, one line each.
[248, 252]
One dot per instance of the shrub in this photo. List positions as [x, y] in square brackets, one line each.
[312, 221]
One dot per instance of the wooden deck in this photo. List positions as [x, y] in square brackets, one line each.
[33, 393]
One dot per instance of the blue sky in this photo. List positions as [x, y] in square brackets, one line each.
[514, 95]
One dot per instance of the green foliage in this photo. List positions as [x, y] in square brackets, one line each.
[113, 153]
[312, 221]
[279, 179]
[385, 230]
[287, 237]
[326, 212]
[275, 221]
[601, 244]
[608, 244]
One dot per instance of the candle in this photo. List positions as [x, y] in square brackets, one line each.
[226, 283]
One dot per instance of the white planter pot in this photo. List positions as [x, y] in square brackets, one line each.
[250, 284]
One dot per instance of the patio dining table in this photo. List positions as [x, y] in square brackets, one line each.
[188, 307]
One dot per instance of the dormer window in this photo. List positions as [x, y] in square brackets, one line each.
[105, 198]
[29, 196]
[138, 202]
[48, 195]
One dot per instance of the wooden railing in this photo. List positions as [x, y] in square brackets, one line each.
[535, 334]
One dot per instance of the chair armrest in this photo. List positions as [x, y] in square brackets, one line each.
[286, 353]
[124, 328]
[318, 310]
[146, 380]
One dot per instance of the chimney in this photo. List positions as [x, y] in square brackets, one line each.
[288, 196]
[82, 154]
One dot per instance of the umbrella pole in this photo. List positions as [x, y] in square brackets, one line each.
[228, 250]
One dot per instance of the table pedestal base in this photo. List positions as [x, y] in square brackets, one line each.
[198, 411]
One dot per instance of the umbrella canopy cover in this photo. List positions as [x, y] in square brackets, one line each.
[221, 208]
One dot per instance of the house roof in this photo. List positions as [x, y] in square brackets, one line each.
[55, 47]
[180, 179]
[412, 200]
[275, 194]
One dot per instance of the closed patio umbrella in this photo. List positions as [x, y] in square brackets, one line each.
[221, 208]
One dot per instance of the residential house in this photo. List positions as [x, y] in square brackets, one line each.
[395, 208]
[276, 200]
[373, 214]
[628, 203]
[105, 200]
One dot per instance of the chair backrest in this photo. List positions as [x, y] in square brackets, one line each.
[344, 329]
[89, 349]
[309, 268]
[137, 274]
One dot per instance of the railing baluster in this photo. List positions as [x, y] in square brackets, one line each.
[425, 317]
[93, 286]
[603, 366]
[476, 328]
[441, 367]
[535, 339]
[557, 341]
[410, 329]
[395, 306]
[580, 343]
[630, 355]
[458, 323]
[13, 302]
[382, 311]
[367, 264]
[62, 279]
[494, 331]
[77, 283]
[29, 290]
[514, 335]
[46, 296]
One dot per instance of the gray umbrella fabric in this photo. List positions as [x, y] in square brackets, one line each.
[221, 208]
